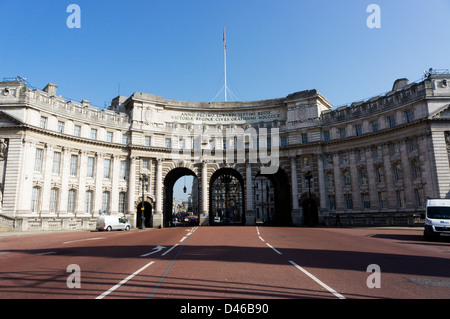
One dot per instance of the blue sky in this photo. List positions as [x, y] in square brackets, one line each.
[174, 48]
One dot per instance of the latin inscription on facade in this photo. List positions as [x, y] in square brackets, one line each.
[226, 117]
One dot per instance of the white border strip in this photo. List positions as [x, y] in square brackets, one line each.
[338, 295]
[103, 295]
[274, 249]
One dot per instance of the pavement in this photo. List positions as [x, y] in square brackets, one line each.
[225, 263]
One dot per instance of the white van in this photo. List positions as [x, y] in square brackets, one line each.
[109, 223]
[437, 218]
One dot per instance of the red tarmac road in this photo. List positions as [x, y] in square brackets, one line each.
[225, 262]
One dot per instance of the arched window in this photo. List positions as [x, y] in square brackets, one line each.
[89, 198]
[54, 198]
[71, 201]
[122, 203]
[105, 202]
[35, 196]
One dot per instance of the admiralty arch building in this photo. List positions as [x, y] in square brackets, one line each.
[294, 161]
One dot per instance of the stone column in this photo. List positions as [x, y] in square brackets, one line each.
[296, 213]
[204, 216]
[81, 198]
[158, 215]
[250, 218]
[322, 192]
[131, 209]
[338, 183]
[407, 182]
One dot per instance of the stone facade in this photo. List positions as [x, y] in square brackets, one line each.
[373, 162]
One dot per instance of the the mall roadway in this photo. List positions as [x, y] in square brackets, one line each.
[225, 262]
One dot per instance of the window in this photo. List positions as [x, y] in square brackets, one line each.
[123, 170]
[409, 116]
[77, 130]
[148, 141]
[38, 160]
[348, 201]
[358, 130]
[361, 155]
[71, 201]
[400, 195]
[382, 199]
[304, 138]
[363, 178]
[346, 181]
[107, 168]
[379, 174]
[73, 165]
[89, 197]
[182, 144]
[60, 127]
[125, 139]
[168, 142]
[43, 123]
[283, 141]
[90, 167]
[56, 163]
[379, 152]
[374, 125]
[391, 121]
[330, 180]
[105, 202]
[93, 133]
[269, 142]
[343, 158]
[418, 196]
[145, 164]
[109, 137]
[415, 169]
[398, 175]
[413, 144]
[331, 202]
[365, 201]
[342, 132]
[35, 195]
[54, 194]
[122, 203]
[326, 136]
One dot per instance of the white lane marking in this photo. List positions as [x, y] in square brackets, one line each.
[182, 239]
[334, 292]
[169, 250]
[103, 295]
[78, 240]
[274, 249]
[47, 253]
[261, 238]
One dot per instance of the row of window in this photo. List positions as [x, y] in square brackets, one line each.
[373, 125]
[60, 128]
[74, 165]
[397, 174]
[400, 201]
[72, 201]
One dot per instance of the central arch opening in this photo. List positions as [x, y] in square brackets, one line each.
[226, 198]
[180, 207]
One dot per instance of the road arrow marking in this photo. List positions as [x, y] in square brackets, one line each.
[156, 250]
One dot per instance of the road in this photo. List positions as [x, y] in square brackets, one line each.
[225, 262]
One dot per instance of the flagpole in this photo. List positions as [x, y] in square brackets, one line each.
[225, 62]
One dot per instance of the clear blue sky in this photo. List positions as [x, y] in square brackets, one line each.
[173, 48]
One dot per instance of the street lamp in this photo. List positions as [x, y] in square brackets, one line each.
[144, 180]
[309, 177]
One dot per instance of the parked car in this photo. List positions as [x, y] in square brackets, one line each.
[109, 223]
[193, 221]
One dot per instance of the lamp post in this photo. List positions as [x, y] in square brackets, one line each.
[144, 180]
[309, 177]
